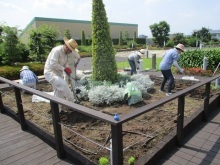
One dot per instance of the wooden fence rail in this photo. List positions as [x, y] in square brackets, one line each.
[116, 126]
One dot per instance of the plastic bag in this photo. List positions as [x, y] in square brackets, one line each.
[132, 94]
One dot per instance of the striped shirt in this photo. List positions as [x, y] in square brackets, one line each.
[27, 76]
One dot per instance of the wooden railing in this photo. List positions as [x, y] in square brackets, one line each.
[116, 126]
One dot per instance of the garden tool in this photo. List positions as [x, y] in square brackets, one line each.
[216, 69]
[138, 67]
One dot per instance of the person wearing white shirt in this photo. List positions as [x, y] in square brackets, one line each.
[133, 60]
[56, 64]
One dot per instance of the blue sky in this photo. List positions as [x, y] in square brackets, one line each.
[182, 16]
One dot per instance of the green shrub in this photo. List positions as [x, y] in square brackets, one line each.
[129, 44]
[131, 160]
[85, 49]
[194, 59]
[13, 72]
[103, 161]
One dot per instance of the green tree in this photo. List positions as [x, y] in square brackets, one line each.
[178, 38]
[67, 33]
[160, 32]
[9, 50]
[41, 41]
[24, 52]
[135, 37]
[89, 40]
[126, 37]
[120, 42]
[103, 56]
[170, 43]
[191, 41]
[83, 40]
[203, 35]
[1, 30]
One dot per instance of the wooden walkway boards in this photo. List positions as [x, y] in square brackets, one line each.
[18, 147]
[201, 147]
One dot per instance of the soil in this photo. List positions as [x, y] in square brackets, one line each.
[91, 137]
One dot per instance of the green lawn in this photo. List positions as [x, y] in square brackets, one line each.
[147, 63]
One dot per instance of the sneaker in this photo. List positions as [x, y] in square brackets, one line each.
[161, 91]
[168, 94]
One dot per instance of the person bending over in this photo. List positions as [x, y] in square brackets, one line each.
[56, 64]
[170, 58]
[28, 77]
[133, 60]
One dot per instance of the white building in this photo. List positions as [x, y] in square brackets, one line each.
[215, 33]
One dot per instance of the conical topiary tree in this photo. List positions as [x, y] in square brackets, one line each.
[120, 42]
[67, 33]
[135, 37]
[103, 57]
[83, 39]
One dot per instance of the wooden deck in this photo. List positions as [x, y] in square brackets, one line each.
[18, 147]
[201, 147]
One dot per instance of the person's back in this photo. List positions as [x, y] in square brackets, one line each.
[133, 56]
[133, 60]
[168, 58]
[28, 77]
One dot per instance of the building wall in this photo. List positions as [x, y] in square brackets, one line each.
[215, 33]
[24, 35]
[76, 27]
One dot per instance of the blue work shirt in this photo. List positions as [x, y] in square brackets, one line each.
[168, 58]
[27, 76]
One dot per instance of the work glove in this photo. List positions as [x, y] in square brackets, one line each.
[68, 71]
[137, 68]
[182, 71]
[138, 61]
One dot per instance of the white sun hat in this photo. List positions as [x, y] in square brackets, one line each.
[24, 68]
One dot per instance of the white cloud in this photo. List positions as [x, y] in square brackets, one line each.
[11, 6]
[48, 3]
[183, 16]
[150, 2]
[153, 2]
[186, 15]
[84, 9]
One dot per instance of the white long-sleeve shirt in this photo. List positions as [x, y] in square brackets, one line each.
[134, 57]
[56, 61]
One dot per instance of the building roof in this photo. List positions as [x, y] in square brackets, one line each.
[69, 21]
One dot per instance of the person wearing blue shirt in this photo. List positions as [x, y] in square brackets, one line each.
[28, 77]
[170, 58]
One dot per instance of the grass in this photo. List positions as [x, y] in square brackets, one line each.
[147, 63]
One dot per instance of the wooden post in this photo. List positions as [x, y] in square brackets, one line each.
[20, 108]
[180, 119]
[154, 61]
[2, 109]
[117, 144]
[57, 130]
[206, 102]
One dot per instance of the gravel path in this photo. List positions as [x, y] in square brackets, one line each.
[86, 63]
